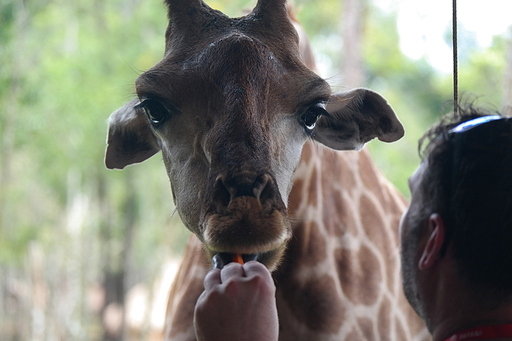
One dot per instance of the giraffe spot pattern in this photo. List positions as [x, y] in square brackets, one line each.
[316, 305]
[380, 233]
[384, 321]
[400, 332]
[295, 200]
[360, 275]
[341, 215]
[354, 335]
[309, 247]
[336, 212]
[367, 327]
[370, 179]
[332, 211]
[313, 191]
[314, 249]
[186, 308]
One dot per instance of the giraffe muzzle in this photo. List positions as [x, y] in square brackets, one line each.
[246, 217]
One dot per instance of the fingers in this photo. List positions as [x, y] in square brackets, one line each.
[260, 278]
[232, 270]
[211, 279]
[238, 304]
[236, 271]
[254, 268]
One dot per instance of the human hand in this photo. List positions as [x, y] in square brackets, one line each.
[238, 303]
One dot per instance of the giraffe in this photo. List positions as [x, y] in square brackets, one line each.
[235, 113]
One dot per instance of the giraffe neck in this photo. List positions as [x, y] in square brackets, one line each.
[340, 279]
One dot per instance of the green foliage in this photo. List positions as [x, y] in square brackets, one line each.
[6, 22]
[321, 17]
[410, 88]
[482, 71]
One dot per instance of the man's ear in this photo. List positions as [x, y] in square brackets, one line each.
[130, 138]
[356, 117]
[432, 250]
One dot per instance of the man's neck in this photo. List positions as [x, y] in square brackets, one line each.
[453, 307]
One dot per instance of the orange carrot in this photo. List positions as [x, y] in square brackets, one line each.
[238, 259]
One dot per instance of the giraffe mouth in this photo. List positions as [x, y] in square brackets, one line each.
[223, 258]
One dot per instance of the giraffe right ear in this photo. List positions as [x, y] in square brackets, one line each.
[356, 117]
[130, 138]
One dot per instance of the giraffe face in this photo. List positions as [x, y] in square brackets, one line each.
[230, 106]
[231, 136]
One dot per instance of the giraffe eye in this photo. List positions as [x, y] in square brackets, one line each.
[157, 112]
[311, 116]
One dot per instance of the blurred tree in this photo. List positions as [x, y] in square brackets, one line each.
[507, 96]
[13, 31]
[352, 33]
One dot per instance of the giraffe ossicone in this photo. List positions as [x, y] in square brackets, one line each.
[234, 110]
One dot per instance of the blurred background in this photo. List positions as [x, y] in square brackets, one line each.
[87, 253]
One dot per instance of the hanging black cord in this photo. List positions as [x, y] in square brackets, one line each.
[455, 59]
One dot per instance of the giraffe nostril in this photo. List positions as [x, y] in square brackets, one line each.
[244, 190]
[260, 185]
[221, 191]
[228, 189]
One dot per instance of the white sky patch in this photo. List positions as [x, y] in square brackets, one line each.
[486, 18]
[422, 25]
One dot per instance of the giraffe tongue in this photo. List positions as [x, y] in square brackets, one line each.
[223, 258]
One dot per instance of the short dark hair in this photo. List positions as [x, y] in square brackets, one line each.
[468, 181]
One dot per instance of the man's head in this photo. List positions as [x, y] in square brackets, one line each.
[461, 206]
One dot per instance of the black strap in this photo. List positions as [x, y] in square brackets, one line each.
[455, 59]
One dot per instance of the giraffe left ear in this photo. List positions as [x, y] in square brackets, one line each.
[356, 117]
[130, 139]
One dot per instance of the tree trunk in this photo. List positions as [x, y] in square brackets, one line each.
[507, 94]
[352, 34]
[11, 111]
[131, 211]
[117, 269]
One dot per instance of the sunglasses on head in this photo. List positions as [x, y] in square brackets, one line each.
[468, 125]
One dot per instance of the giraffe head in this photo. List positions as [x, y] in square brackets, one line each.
[230, 106]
